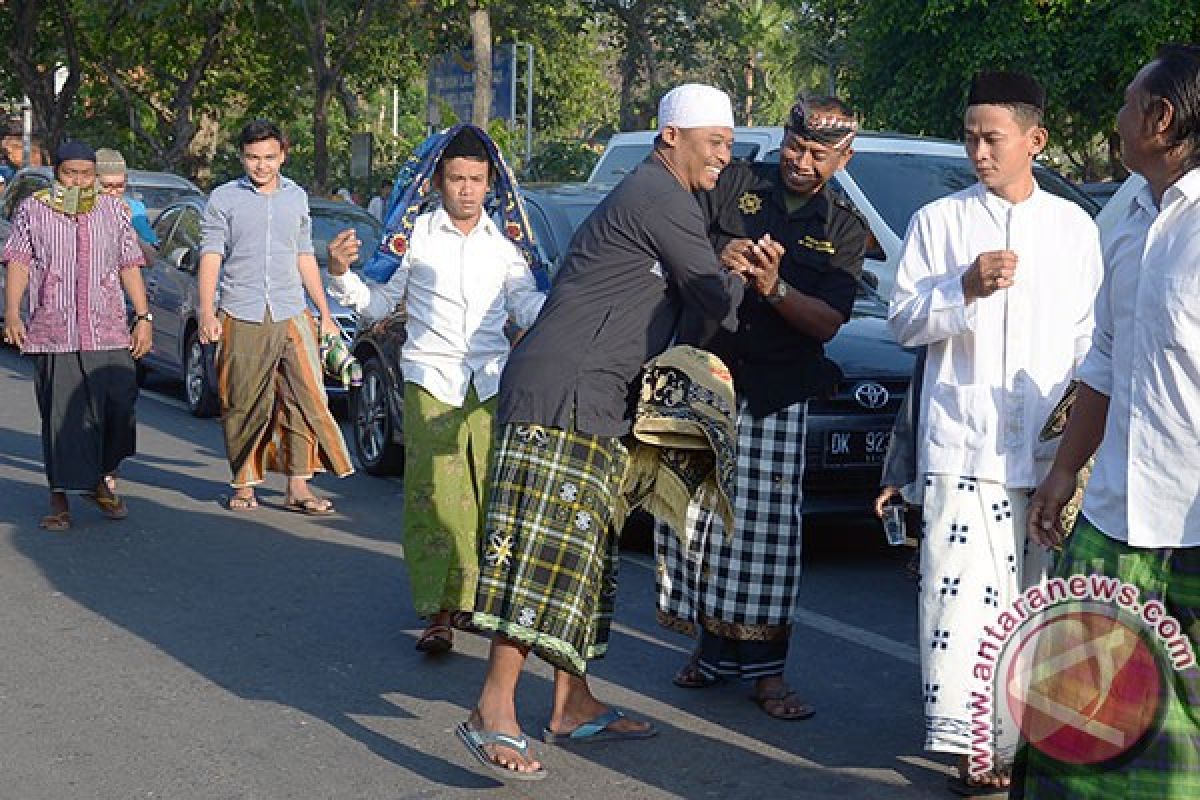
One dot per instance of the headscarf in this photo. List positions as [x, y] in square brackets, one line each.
[412, 188]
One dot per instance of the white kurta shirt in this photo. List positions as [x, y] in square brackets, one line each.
[996, 366]
[459, 290]
[1145, 486]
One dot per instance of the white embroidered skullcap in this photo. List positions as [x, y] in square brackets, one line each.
[695, 105]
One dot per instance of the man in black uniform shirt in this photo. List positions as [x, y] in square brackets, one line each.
[737, 593]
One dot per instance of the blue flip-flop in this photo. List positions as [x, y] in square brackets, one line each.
[477, 740]
[597, 730]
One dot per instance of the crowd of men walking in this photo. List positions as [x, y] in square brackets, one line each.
[518, 457]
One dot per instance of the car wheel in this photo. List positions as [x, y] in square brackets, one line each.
[200, 394]
[371, 419]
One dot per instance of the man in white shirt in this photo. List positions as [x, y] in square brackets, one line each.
[1138, 400]
[460, 281]
[998, 281]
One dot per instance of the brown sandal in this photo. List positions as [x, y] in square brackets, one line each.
[783, 704]
[56, 522]
[240, 503]
[437, 638]
[110, 504]
[312, 505]
[690, 676]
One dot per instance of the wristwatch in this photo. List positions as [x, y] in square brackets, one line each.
[148, 317]
[776, 297]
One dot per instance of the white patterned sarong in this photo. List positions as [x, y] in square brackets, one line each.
[974, 562]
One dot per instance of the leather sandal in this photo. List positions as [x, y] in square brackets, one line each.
[56, 522]
[783, 704]
[437, 638]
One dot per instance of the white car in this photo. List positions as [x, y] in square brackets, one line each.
[888, 179]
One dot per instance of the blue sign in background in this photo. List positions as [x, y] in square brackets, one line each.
[452, 79]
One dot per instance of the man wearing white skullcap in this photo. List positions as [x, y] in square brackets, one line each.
[547, 575]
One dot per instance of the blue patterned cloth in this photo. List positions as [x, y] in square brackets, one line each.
[410, 194]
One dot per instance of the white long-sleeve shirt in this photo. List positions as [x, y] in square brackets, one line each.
[996, 366]
[459, 290]
[1145, 485]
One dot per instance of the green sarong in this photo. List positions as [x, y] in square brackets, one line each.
[1165, 764]
[549, 573]
[446, 453]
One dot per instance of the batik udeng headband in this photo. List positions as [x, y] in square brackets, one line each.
[822, 127]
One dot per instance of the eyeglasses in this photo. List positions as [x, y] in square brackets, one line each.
[112, 187]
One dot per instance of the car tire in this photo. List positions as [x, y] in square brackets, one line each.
[198, 391]
[372, 424]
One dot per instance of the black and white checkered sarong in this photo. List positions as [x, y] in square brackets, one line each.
[742, 586]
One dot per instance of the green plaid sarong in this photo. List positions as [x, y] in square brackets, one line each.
[548, 573]
[1167, 765]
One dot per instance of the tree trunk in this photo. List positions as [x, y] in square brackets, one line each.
[481, 44]
[748, 104]
[321, 137]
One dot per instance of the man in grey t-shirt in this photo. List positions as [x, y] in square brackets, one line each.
[257, 238]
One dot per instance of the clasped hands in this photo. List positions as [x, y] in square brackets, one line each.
[756, 261]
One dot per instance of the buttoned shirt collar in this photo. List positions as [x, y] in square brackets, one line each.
[442, 220]
[244, 182]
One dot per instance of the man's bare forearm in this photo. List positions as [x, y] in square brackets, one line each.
[206, 282]
[1085, 429]
[16, 282]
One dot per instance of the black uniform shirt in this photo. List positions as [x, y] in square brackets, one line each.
[775, 365]
[634, 263]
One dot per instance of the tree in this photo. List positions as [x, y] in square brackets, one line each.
[41, 38]
[160, 94]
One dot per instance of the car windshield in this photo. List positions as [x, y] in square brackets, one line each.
[898, 184]
[329, 222]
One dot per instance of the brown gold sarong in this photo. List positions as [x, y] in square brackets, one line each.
[273, 404]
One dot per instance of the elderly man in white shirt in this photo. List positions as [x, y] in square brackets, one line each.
[998, 282]
[461, 281]
[1140, 522]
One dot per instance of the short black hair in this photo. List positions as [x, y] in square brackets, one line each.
[260, 130]
[1174, 76]
[466, 144]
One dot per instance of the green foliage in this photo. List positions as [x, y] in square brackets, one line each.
[562, 160]
[915, 59]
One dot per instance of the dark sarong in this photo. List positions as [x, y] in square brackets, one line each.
[87, 401]
[548, 577]
[1166, 764]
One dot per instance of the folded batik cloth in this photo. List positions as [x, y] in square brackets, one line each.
[685, 438]
[1055, 424]
[338, 362]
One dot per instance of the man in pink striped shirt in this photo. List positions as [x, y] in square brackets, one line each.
[75, 250]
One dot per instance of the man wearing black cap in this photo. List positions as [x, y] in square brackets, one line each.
[737, 592]
[461, 280]
[75, 250]
[998, 282]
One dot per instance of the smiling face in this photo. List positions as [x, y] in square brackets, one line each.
[697, 155]
[1002, 149]
[262, 161]
[806, 166]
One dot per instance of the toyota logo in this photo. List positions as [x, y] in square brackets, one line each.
[871, 395]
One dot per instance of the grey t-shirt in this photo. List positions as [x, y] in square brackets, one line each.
[631, 267]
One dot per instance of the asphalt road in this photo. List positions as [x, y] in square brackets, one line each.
[190, 652]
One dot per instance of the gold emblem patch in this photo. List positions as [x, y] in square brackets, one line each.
[750, 203]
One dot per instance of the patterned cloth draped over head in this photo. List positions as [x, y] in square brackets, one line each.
[686, 439]
[411, 191]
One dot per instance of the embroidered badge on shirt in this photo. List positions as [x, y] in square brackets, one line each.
[750, 203]
[820, 245]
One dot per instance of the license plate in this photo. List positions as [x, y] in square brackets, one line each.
[855, 448]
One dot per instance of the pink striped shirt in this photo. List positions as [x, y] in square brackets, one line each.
[76, 301]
